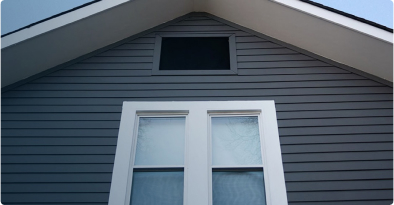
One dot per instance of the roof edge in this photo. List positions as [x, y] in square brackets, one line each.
[51, 17]
[349, 15]
[93, 53]
[303, 51]
[58, 21]
[306, 7]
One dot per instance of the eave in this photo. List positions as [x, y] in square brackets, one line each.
[54, 47]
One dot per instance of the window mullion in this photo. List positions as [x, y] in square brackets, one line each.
[196, 169]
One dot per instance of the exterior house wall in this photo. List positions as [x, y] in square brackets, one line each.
[59, 132]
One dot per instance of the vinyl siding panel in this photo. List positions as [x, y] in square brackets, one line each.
[59, 132]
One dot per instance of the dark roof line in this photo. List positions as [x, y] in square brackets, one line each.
[51, 17]
[349, 15]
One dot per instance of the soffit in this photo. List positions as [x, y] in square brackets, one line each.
[316, 35]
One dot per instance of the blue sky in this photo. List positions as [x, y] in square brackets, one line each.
[16, 14]
[379, 11]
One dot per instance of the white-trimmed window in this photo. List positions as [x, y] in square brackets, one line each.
[198, 153]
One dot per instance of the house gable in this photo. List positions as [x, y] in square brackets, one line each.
[59, 131]
[320, 36]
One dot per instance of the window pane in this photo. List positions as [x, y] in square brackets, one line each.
[157, 188]
[160, 141]
[238, 188]
[235, 141]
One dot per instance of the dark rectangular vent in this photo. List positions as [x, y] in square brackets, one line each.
[195, 53]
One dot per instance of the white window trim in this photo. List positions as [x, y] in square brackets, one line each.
[196, 191]
[338, 19]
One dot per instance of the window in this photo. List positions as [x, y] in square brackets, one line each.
[195, 54]
[198, 153]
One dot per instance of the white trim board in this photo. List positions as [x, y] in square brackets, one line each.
[338, 19]
[59, 21]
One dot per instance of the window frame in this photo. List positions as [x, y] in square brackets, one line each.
[232, 49]
[156, 167]
[197, 191]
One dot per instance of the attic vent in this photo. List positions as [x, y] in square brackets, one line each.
[195, 53]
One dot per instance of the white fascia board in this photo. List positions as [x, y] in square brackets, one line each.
[338, 19]
[59, 22]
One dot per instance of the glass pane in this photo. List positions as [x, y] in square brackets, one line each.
[157, 188]
[160, 141]
[235, 141]
[238, 188]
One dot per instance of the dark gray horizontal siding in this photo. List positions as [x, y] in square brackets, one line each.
[339, 195]
[61, 116]
[56, 158]
[249, 39]
[144, 46]
[180, 28]
[50, 132]
[346, 155]
[143, 40]
[278, 99]
[59, 132]
[336, 122]
[288, 71]
[122, 59]
[335, 130]
[187, 93]
[339, 175]
[332, 148]
[207, 22]
[342, 202]
[339, 185]
[55, 188]
[57, 168]
[333, 114]
[127, 53]
[257, 58]
[53, 150]
[110, 66]
[241, 45]
[338, 138]
[193, 30]
[264, 51]
[282, 123]
[61, 124]
[144, 72]
[279, 107]
[199, 79]
[58, 141]
[57, 177]
[67, 109]
[39, 198]
[113, 72]
[338, 166]
[183, 86]
[56, 203]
